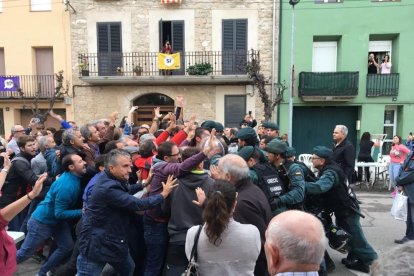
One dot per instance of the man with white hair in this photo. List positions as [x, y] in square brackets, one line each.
[16, 132]
[252, 205]
[295, 242]
[343, 151]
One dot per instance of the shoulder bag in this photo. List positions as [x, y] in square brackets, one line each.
[192, 268]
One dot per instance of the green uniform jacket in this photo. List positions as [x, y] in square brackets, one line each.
[323, 184]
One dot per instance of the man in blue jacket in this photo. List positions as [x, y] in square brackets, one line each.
[104, 235]
[51, 215]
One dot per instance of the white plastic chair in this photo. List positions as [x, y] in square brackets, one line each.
[306, 158]
[385, 160]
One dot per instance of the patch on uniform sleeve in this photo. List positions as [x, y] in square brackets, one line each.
[298, 173]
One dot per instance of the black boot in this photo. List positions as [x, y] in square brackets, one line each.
[358, 265]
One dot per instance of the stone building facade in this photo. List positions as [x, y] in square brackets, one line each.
[142, 28]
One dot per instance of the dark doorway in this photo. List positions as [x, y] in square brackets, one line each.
[173, 31]
[313, 126]
[235, 110]
[146, 105]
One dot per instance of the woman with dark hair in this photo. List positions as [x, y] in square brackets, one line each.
[225, 247]
[398, 154]
[365, 147]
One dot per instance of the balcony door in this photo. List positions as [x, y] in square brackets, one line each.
[324, 56]
[234, 47]
[43, 81]
[109, 48]
[173, 31]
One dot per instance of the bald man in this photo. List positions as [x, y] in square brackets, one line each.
[295, 242]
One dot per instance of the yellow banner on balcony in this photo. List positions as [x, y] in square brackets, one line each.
[169, 61]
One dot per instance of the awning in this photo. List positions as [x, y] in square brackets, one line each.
[171, 1]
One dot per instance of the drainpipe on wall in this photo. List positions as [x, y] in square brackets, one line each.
[279, 63]
[273, 50]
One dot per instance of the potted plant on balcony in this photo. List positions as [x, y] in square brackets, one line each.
[84, 68]
[137, 70]
[200, 69]
[119, 71]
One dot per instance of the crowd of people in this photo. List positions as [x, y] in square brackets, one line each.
[154, 199]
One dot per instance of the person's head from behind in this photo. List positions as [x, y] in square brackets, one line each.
[100, 163]
[114, 144]
[27, 144]
[147, 149]
[397, 261]
[118, 163]
[233, 168]
[191, 151]
[295, 241]
[168, 152]
[366, 136]
[73, 163]
[219, 208]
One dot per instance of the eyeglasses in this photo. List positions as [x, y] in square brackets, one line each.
[175, 154]
[19, 131]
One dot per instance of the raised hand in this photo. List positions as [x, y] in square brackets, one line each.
[215, 172]
[37, 188]
[201, 197]
[7, 162]
[168, 186]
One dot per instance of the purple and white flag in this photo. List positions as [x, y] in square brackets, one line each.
[9, 83]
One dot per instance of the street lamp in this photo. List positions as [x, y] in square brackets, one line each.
[292, 72]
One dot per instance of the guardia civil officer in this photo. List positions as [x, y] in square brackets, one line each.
[338, 198]
[291, 175]
[247, 137]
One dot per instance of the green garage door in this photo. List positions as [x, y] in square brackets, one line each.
[314, 125]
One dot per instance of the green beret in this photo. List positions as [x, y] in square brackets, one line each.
[323, 152]
[290, 152]
[270, 125]
[208, 124]
[276, 146]
[219, 127]
[246, 133]
[246, 152]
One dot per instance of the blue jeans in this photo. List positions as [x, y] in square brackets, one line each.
[156, 240]
[87, 267]
[394, 170]
[37, 233]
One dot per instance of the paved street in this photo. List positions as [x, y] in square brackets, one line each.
[379, 227]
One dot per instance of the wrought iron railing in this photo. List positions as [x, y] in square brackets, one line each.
[383, 84]
[42, 86]
[146, 63]
[335, 84]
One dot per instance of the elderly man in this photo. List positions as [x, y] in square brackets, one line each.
[343, 151]
[20, 179]
[91, 137]
[295, 242]
[338, 198]
[252, 205]
[16, 132]
[51, 216]
[105, 223]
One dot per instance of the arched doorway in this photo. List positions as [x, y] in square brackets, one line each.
[146, 105]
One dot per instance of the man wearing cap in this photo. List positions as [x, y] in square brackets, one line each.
[272, 129]
[338, 198]
[247, 137]
[291, 174]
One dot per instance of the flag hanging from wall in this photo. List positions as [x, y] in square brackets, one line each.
[169, 61]
[9, 83]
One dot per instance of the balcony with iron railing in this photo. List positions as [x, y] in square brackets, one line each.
[27, 86]
[335, 86]
[383, 85]
[143, 67]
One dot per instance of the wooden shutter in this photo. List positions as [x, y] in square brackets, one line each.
[177, 41]
[234, 46]
[109, 48]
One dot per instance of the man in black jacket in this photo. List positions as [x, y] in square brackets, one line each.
[20, 179]
[252, 205]
[343, 151]
[104, 235]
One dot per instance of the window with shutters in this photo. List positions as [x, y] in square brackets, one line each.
[173, 32]
[234, 49]
[235, 110]
[109, 48]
